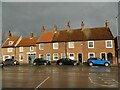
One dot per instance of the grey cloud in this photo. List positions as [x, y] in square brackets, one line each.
[29, 16]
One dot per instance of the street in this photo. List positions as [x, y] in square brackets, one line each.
[54, 76]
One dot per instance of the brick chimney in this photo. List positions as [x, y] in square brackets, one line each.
[55, 28]
[82, 25]
[68, 26]
[107, 24]
[31, 35]
[9, 34]
[42, 29]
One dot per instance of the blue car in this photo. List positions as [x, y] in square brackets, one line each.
[98, 61]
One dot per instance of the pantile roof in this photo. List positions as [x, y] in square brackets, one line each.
[11, 41]
[25, 42]
[100, 33]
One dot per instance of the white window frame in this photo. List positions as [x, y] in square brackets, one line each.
[89, 44]
[54, 44]
[71, 44]
[91, 53]
[31, 48]
[20, 57]
[20, 49]
[40, 46]
[73, 55]
[5, 56]
[108, 41]
[9, 49]
[54, 56]
[62, 55]
[11, 42]
[40, 55]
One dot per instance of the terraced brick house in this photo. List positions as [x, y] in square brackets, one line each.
[26, 49]
[77, 44]
[9, 46]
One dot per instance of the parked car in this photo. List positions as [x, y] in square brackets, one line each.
[41, 61]
[11, 62]
[98, 61]
[1, 63]
[67, 61]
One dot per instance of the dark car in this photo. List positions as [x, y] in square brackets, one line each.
[41, 61]
[1, 63]
[67, 61]
[10, 62]
[98, 61]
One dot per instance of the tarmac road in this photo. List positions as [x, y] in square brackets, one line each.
[54, 76]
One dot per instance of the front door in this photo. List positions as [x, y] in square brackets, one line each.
[48, 57]
[31, 58]
[80, 57]
[103, 56]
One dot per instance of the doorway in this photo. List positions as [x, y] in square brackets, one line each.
[110, 57]
[80, 57]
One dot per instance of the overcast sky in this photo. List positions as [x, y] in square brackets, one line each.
[25, 17]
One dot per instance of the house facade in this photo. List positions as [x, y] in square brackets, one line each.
[77, 44]
[8, 48]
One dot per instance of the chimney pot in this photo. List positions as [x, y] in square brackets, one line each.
[82, 25]
[43, 28]
[107, 24]
[68, 26]
[9, 34]
[31, 35]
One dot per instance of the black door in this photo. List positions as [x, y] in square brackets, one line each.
[80, 58]
[103, 56]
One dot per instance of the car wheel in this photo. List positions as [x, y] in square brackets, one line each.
[34, 63]
[74, 64]
[90, 64]
[106, 64]
[60, 63]
[45, 63]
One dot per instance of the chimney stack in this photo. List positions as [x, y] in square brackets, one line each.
[107, 24]
[82, 25]
[55, 28]
[43, 29]
[9, 34]
[31, 35]
[68, 26]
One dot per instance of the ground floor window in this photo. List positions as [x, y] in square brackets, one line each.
[6, 57]
[91, 55]
[55, 56]
[71, 56]
[41, 56]
[63, 55]
[20, 57]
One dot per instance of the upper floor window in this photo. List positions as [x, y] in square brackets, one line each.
[31, 48]
[71, 44]
[11, 42]
[41, 46]
[9, 49]
[109, 44]
[55, 45]
[20, 49]
[90, 44]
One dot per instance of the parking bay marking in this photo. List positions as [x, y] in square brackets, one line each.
[42, 83]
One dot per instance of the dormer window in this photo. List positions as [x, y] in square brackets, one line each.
[11, 42]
